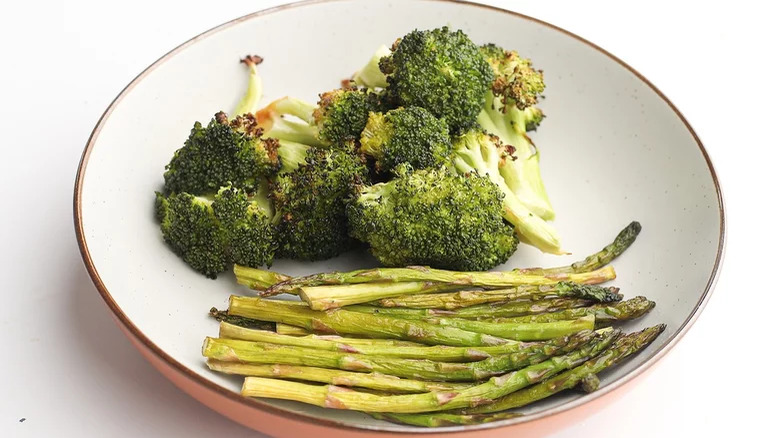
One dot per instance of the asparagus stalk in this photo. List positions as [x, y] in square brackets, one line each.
[514, 308]
[466, 298]
[535, 331]
[604, 313]
[231, 350]
[291, 330]
[375, 381]
[598, 260]
[330, 297]
[257, 279]
[590, 383]
[373, 347]
[494, 279]
[340, 321]
[619, 351]
[222, 316]
[337, 397]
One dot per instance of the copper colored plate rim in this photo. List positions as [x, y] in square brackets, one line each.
[389, 428]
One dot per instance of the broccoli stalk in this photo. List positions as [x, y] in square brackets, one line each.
[370, 75]
[254, 89]
[484, 154]
[276, 123]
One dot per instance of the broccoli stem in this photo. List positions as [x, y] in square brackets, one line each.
[275, 124]
[254, 89]
[370, 76]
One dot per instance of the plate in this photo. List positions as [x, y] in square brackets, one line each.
[614, 149]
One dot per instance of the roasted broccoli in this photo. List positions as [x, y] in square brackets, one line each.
[336, 121]
[370, 75]
[406, 135]
[223, 151]
[310, 203]
[249, 225]
[441, 71]
[485, 154]
[435, 218]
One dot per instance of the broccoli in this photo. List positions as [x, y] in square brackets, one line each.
[310, 202]
[370, 75]
[441, 71]
[406, 135]
[193, 232]
[212, 232]
[434, 218]
[485, 154]
[508, 113]
[336, 121]
[221, 152]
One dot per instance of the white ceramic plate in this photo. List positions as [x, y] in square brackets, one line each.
[614, 149]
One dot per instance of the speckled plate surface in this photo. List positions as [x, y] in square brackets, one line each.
[614, 149]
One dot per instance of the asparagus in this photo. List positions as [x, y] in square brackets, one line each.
[257, 279]
[373, 347]
[340, 321]
[602, 258]
[604, 313]
[337, 397]
[330, 297]
[535, 331]
[222, 316]
[291, 330]
[375, 381]
[624, 347]
[515, 308]
[466, 298]
[231, 350]
[493, 280]
[590, 383]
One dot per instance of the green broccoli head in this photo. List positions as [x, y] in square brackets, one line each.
[247, 220]
[434, 218]
[515, 81]
[341, 114]
[190, 227]
[223, 151]
[406, 135]
[441, 71]
[310, 204]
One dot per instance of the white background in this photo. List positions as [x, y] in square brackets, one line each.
[66, 369]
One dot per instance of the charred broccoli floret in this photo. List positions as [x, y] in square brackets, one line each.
[441, 71]
[485, 154]
[336, 121]
[515, 81]
[221, 152]
[434, 218]
[406, 135]
[310, 204]
[190, 227]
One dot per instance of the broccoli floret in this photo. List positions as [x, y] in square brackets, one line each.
[190, 227]
[435, 218]
[221, 152]
[251, 234]
[515, 81]
[441, 71]
[406, 135]
[310, 204]
[336, 121]
[485, 154]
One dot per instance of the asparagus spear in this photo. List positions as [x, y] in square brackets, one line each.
[604, 313]
[493, 280]
[291, 330]
[231, 350]
[376, 381]
[624, 347]
[590, 383]
[373, 347]
[330, 297]
[514, 308]
[466, 298]
[337, 397]
[521, 332]
[340, 321]
[222, 316]
[258, 279]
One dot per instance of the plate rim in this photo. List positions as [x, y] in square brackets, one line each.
[187, 372]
